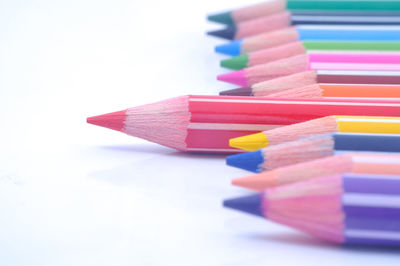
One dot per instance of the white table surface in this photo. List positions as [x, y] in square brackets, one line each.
[76, 194]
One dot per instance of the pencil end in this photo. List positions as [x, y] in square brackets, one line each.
[228, 33]
[236, 77]
[249, 204]
[251, 142]
[223, 18]
[232, 48]
[250, 161]
[236, 63]
[113, 120]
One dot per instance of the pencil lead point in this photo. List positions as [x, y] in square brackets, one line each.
[236, 63]
[250, 161]
[257, 182]
[232, 48]
[250, 204]
[251, 142]
[223, 18]
[113, 120]
[228, 33]
[236, 77]
[243, 91]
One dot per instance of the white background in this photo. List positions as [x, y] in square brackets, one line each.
[76, 194]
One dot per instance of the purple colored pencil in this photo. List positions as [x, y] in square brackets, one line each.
[356, 209]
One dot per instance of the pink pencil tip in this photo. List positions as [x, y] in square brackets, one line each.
[237, 78]
[113, 120]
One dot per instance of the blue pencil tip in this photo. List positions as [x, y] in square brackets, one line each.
[250, 161]
[232, 48]
[249, 204]
[228, 33]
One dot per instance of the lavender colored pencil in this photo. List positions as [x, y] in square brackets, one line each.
[356, 209]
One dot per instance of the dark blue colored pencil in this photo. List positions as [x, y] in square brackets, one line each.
[314, 147]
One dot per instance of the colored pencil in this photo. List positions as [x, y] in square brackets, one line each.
[310, 33]
[358, 163]
[329, 124]
[206, 123]
[314, 147]
[343, 208]
[313, 61]
[341, 91]
[307, 78]
[285, 19]
[267, 8]
[301, 47]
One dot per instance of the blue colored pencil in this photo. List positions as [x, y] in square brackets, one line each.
[310, 33]
[314, 147]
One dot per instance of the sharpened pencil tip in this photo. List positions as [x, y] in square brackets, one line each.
[236, 77]
[228, 33]
[223, 18]
[250, 161]
[113, 120]
[243, 91]
[232, 48]
[236, 63]
[257, 182]
[250, 204]
[251, 142]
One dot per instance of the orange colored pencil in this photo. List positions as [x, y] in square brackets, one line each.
[341, 91]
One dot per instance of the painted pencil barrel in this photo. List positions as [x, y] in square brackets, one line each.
[232, 120]
[367, 142]
[358, 77]
[369, 217]
[373, 238]
[376, 58]
[352, 45]
[372, 208]
[344, 20]
[374, 184]
[348, 90]
[378, 125]
[343, 34]
[343, 5]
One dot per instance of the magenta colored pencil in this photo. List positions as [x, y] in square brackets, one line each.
[313, 61]
[344, 209]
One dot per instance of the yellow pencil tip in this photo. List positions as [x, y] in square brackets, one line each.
[250, 142]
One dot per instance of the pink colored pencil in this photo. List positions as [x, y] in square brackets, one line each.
[315, 61]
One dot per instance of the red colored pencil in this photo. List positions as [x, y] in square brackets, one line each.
[206, 123]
